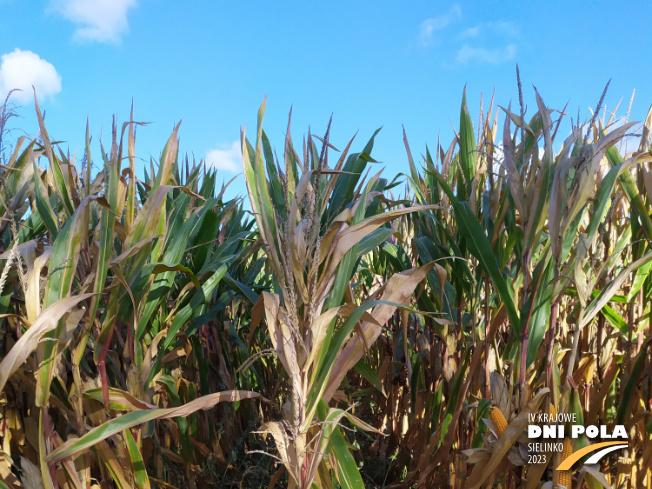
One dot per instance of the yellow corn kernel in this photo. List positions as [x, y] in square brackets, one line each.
[565, 476]
[498, 419]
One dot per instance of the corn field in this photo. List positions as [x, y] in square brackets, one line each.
[334, 328]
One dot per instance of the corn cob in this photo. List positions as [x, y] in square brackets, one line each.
[498, 419]
[565, 476]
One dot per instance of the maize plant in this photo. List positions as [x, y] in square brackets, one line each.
[316, 222]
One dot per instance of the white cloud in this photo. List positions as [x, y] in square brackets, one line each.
[97, 20]
[24, 69]
[485, 30]
[468, 54]
[228, 157]
[471, 32]
[430, 26]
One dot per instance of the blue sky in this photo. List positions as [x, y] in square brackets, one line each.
[369, 63]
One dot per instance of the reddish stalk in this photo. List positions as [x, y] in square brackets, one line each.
[552, 333]
[487, 322]
[101, 365]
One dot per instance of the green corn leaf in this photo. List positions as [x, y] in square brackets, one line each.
[137, 463]
[480, 247]
[43, 205]
[467, 149]
[62, 266]
[372, 377]
[630, 389]
[345, 467]
[195, 307]
[629, 186]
